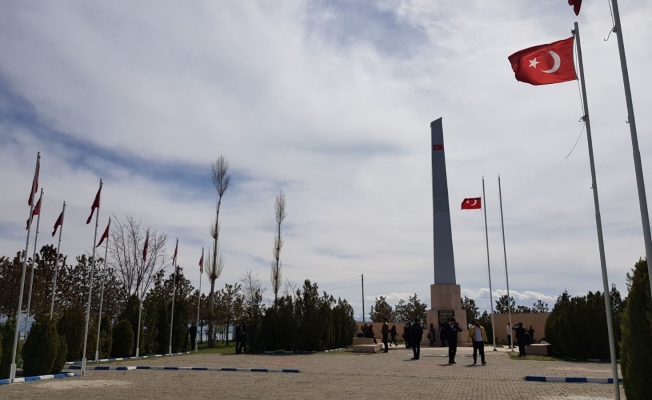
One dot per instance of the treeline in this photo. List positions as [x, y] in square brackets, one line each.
[403, 311]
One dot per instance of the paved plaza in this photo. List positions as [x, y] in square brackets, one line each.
[338, 375]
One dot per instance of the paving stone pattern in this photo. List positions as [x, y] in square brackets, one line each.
[339, 375]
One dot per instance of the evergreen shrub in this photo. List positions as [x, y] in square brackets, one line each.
[123, 339]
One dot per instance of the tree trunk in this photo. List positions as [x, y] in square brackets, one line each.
[211, 322]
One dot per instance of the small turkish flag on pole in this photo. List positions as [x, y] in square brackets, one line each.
[105, 235]
[35, 180]
[35, 212]
[474, 203]
[96, 204]
[176, 249]
[201, 262]
[576, 5]
[58, 223]
[545, 64]
[145, 248]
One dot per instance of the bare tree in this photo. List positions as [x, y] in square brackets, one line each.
[276, 273]
[125, 255]
[251, 286]
[290, 289]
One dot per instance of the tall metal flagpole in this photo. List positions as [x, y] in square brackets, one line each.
[56, 267]
[140, 303]
[638, 167]
[12, 373]
[201, 272]
[598, 220]
[31, 278]
[99, 318]
[509, 299]
[362, 276]
[174, 292]
[491, 298]
[90, 287]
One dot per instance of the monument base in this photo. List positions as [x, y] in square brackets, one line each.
[446, 302]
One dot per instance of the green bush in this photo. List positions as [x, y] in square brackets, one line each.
[71, 326]
[7, 330]
[40, 349]
[62, 353]
[123, 339]
[106, 337]
[637, 336]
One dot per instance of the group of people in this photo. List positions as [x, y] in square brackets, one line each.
[524, 337]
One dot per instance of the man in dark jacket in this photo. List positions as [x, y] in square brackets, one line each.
[193, 335]
[520, 338]
[451, 330]
[238, 338]
[385, 331]
[416, 334]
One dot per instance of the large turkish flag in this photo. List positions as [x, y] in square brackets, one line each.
[545, 64]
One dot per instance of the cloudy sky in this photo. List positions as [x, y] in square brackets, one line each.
[330, 101]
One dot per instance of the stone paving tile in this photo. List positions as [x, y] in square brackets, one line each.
[331, 376]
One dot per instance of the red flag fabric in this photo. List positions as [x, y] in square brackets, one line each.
[58, 224]
[176, 249]
[201, 264]
[35, 211]
[96, 204]
[474, 203]
[545, 64]
[105, 235]
[34, 183]
[576, 5]
[145, 248]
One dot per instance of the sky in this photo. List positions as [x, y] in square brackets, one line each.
[331, 102]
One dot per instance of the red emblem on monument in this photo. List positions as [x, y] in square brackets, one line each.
[436, 147]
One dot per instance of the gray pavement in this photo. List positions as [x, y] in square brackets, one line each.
[339, 375]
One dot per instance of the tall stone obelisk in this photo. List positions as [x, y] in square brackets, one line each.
[445, 294]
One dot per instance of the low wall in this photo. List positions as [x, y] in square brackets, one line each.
[538, 322]
[378, 327]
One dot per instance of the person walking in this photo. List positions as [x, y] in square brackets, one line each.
[431, 334]
[416, 335]
[451, 337]
[393, 334]
[509, 336]
[193, 335]
[478, 336]
[385, 332]
[519, 331]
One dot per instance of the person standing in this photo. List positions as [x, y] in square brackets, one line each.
[406, 335]
[442, 334]
[509, 335]
[478, 336]
[451, 337]
[238, 338]
[531, 332]
[243, 337]
[416, 335]
[393, 335]
[519, 331]
[385, 332]
[193, 335]
[431, 334]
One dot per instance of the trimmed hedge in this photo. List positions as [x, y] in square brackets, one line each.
[40, 349]
[71, 326]
[7, 330]
[123, 339]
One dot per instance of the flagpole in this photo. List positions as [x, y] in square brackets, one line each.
[491, 299]
[174, 292]
[502, 226]
[90, 287]
[199, 299]
[598, 220]
[140, 301]
[642, 197]
[56, 268]
[12, 373]
[99, 318]
[31, 278]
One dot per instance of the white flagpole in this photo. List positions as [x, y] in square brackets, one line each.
[199, 302]
[99, 318]
[56, 267]
[12, 373]
[174, 292]
[140, 307]
[642, 198]
[31, 278]
[509, 299]
[491, 298]
[598, 219]
[90, 286]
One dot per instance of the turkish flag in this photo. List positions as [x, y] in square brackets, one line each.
[201, 263]
[105, 235]
[474, 203]
[545, 64]
[576, 5]
[96, 204]
[34, 182]
[145, 248]
[176, 249]
[58, 224]
[35, 211]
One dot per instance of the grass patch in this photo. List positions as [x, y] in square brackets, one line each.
[220, 348]
[514, 356]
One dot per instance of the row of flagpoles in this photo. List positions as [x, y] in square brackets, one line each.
[35, 211]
